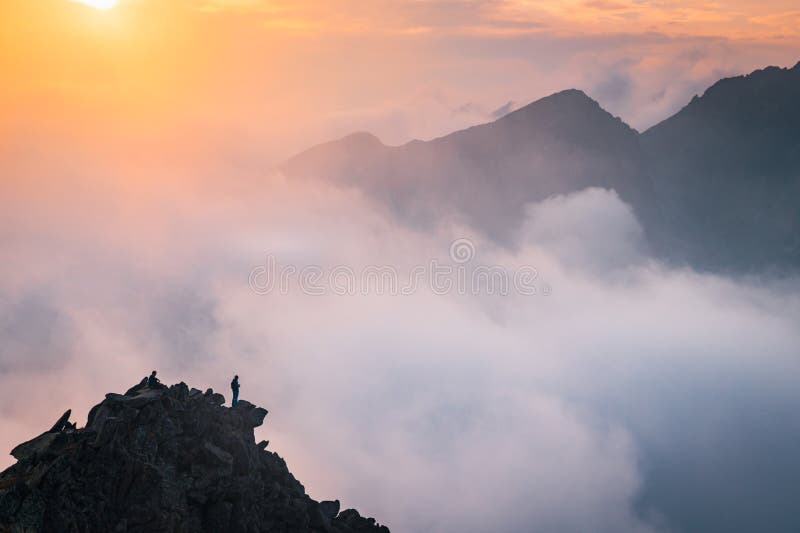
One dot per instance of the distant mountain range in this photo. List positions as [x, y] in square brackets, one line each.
[716, 186]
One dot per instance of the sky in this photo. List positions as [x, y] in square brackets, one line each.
[138, 196]
[269, 78]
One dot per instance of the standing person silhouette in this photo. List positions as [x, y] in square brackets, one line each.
[235, 389]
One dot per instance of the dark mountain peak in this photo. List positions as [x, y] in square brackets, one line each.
[562, 101]
[765, 100]
[571, 113]
[749, 89]
[568, 96]
[797, 66]
[574, 95]
[569, 117]
[162, 459]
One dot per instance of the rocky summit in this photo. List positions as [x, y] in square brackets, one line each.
[162, 459]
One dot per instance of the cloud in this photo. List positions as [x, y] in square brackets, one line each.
[742, 20]
[517, 401]
[632, 397]
[504, 110]
[592, 230]
[34, 334]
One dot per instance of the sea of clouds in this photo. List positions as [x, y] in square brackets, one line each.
[628, 396]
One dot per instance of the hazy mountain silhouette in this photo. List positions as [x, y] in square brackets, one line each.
[727, 172]
[716, 185]
[565, 142]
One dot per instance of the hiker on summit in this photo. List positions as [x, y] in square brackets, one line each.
[235, 389]
[153, 381]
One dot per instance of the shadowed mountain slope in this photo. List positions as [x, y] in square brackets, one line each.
[727, 170]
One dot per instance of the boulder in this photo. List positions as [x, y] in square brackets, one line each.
[330, 509]
[37, 445]
[214, 397]
[62, 422]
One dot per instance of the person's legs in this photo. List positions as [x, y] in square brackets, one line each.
[235, 398]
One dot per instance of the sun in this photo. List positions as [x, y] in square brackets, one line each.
[99, 4]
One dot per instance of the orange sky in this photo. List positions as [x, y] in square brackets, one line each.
[270, 77]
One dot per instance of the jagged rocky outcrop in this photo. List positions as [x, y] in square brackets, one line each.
[162, 459]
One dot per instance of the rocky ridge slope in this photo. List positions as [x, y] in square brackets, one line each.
[162, 459]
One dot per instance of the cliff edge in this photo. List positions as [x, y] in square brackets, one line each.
[162, 459]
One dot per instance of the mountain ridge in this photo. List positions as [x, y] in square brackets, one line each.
[726, 165]
[482, 173]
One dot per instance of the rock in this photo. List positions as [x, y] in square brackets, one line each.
[217, 516]
[256, 417]
[355, 522]
[139, 386]
[216, 456]
[61, 422]
[329, 509]
[139, 399]
[316, 519]
[214, 397]
[180, 391]
[37, 445]
[243, 405]
[162, 459]
[114, 397]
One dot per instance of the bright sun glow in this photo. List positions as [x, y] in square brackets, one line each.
[99, 4]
